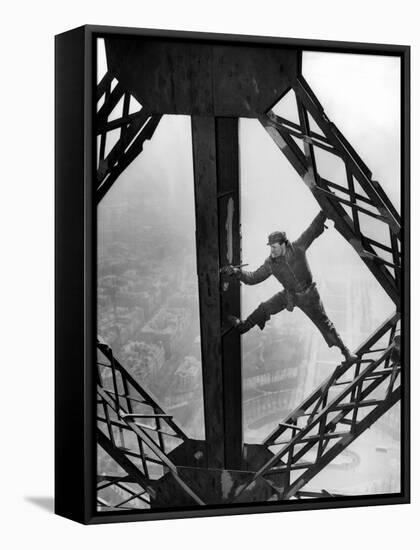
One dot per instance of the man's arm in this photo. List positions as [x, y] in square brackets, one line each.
[257, 276]
[312, 232]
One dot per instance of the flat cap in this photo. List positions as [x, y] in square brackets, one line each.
[277, 237]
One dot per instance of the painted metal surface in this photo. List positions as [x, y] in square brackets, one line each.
[176, 77]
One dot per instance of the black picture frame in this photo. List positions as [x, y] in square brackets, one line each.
[75, 276]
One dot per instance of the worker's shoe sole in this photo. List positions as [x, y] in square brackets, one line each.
[350, 358]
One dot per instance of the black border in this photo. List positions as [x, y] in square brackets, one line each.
[75, 270]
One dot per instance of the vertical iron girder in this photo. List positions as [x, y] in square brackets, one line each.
[216, 180]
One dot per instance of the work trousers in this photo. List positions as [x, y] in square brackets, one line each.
[309, 301]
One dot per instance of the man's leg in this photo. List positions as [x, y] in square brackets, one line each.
[311, 304]
[262, 314]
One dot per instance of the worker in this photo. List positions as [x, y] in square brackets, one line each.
[288, 263]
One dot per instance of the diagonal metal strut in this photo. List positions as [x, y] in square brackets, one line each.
[375, 205]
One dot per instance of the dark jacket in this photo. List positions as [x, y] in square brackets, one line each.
[292, 269]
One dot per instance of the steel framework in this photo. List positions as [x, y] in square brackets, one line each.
[135, 128]
[337, 412]
[354, 205]
[134, 431]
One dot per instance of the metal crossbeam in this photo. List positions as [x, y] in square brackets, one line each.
[375, 205]
[309, 438]
[124, 491]
[121, 402]
[135, 129]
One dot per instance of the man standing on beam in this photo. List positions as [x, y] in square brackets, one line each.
[288, 263]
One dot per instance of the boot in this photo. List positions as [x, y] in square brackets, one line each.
[336, 340]
[349, 357]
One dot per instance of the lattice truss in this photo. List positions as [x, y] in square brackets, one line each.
[122, 127]
[133, 447]
[358, 205]
[135, 436]
[337, 412]
[134, 433]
